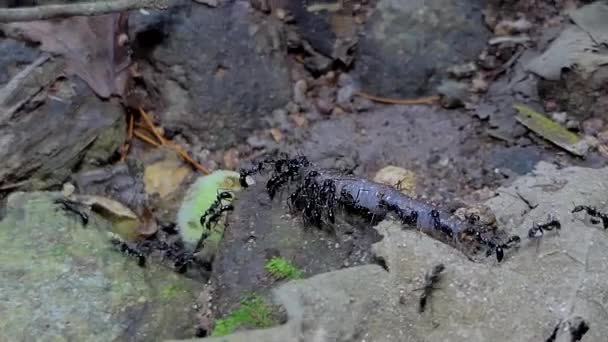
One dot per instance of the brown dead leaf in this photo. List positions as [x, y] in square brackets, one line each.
[94, 47]
[300, 121]
[276, 134]
[148, 223]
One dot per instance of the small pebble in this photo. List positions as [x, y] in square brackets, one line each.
[324, 106]
[593, 126]
[573, 125]
[345, 95]
[299, 92]
[560, 117]
[292, 108]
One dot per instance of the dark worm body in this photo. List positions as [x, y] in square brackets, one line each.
[320, 193]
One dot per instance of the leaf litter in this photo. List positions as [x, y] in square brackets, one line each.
[95, 47]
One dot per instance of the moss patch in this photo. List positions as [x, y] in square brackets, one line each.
[253, 313]
[281, 268]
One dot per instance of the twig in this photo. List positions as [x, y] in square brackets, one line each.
[145, 138]
[151, 127]
[189, 159]
[423, 100]
[80, 9]
[165, 142]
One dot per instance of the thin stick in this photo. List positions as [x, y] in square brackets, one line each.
[127, 145]
[189, 159]
[130, 131]
[422, 100]
[145, 138]
[80, 9]
[151, 126]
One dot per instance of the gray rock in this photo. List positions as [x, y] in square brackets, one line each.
[15, 55]
[408, 45]
[232, 69]
[345, 95]
[51, 135]
[536, 287]
[454, 94]
[63, 281]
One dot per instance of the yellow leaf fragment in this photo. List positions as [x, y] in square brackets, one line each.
[550, 130]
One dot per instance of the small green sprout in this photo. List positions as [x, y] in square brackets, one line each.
[253, 312]
[280, 268]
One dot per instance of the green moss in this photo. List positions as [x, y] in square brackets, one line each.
[57, 251]
[171, 291]
[281, 268]
[253, 313]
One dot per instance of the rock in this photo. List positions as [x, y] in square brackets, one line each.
[592, 126]
[408, 45]
[345, 96]
[462, 71]
[222, 87]
[560, 117]
[362, 104]
[299, 92]
[123, 182]
[573, 71]
[326, 29]
[15, 56]
[562, 280]
[63, 279]
[454, 94]
[59, 131]
[324, 106]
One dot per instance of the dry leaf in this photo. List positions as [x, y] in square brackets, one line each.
[165, 177]
[300, 120]
[124, 221]
[94, 47]
[148, 223]
[106, 207]
[277, 135]
[550, 130]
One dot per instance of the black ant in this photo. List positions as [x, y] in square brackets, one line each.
[327, 196]
[538, 230]
[75, 208]
[406, 219]
[285, 170]
[498, 248]
[438, 225]
[128, 250]
[430, 280]
[216, 209]
[576, 328]
[594, 213]
[244, 173]
[472, 218]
